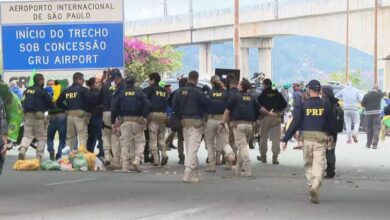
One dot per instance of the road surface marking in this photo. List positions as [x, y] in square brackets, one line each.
[71, 181]
[183, 213]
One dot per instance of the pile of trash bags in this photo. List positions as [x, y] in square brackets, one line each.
[26, 165]
[385, 128]
[79, 160]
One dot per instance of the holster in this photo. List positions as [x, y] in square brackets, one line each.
[106, 126]
[331, 144]
[158, 117]
[1, 162]
[88, 117]
[39, 115]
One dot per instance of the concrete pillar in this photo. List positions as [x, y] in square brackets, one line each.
[265, 46]
[244, 70]
[265, 62]
[386, 78]
[205, 60]
[265, 56]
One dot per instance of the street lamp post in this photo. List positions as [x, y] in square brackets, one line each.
[236, 37]
[191, 17]
[165, 8]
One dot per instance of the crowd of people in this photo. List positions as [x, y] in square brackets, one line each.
[128, 125]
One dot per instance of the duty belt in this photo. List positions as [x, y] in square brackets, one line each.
[56, 113]
[158, 113]
[215, 117]
[243, 122]
[76, 113]
[38, 115]
[131, 119]
[197, 123]
[277, 114]
[314, 136]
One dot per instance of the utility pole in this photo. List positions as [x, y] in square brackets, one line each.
[276, 9]
[165, 8]
[376, 44]
[236, 37]
[191, 17]
[191, 13]
[347, 47]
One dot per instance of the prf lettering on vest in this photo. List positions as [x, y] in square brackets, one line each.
[72, 95]
[161, 94]
[30, 91]
[129, 93]
[314, 112]
[246, 98]
[217, 94]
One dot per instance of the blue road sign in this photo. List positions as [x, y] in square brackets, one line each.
[62, 46]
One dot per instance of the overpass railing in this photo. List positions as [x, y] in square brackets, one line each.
[270, 10]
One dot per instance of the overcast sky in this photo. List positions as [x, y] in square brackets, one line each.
[142, 9]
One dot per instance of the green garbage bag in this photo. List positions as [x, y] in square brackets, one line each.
[79, 162]
[386, 121]
[50, 165]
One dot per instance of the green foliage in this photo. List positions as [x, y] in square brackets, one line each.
[357, 79]
[337, 76]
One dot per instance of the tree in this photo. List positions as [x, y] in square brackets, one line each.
[355, 78]
[144, 57]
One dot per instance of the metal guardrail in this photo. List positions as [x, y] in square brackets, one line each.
[270, 10]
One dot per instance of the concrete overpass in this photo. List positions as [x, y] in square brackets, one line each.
[324, 19]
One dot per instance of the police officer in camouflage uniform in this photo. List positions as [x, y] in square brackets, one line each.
[312, 118]
[118, 82]
[329, 99]
[105, 101]
[74, 100]
[179, 129]
[231, 78]
[190, 104]
[36, 102]
[272, 105]
[242, 109]
[256, 127]
[132, 109]
[157, 119]
[217, 140]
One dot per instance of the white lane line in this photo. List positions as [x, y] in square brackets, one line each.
[182, 214]
[71, 181]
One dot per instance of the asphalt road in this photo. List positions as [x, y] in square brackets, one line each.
[361, 190]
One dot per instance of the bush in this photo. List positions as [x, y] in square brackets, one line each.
[144, 57]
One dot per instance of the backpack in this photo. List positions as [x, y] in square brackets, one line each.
[338, 118]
